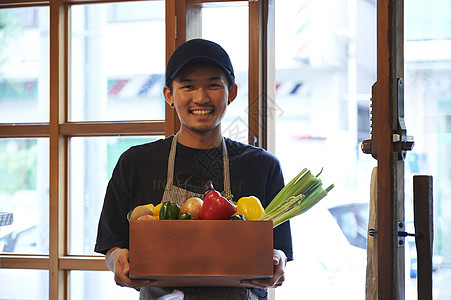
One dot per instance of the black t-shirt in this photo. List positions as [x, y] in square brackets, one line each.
[141, 173]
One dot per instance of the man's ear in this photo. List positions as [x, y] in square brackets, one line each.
[233, 92]
[168, 96]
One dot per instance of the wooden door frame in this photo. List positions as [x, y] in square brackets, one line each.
[390, 167]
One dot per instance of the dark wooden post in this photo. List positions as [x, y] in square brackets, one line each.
[424, 231]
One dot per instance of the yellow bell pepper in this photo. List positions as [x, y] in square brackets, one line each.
[250, 207]
[156, 211]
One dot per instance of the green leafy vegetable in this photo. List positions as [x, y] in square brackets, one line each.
[299, 195]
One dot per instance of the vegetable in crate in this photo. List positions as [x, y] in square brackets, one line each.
[238, 217]
[169, 211]
[298, 196]
[193, 206]
[215, 206]
[156, 210]
[147, 218]
[250, 207]
[185, 216]
[139, 211]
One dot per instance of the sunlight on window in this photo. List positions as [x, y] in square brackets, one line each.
[233, 37]
[92, 161]
[12, 284]
[427, 116]
[24, 65]
[325, 66]
[99, 286]
[24, 192]
[116, 75]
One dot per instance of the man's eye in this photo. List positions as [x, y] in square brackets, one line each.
[187, 87]
[215, 85]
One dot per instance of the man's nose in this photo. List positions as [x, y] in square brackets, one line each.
[201, 96]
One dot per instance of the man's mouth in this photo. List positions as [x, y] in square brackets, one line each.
[201, 112]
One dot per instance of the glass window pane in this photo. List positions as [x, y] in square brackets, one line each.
[92, 161]
[325, 66]
[427, 22]
[214, 24]
[427, 73]
[24, 65]
[24, 192]
[12, 284]
[117, 61]
[99, 286]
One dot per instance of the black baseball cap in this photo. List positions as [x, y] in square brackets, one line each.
[198, 50]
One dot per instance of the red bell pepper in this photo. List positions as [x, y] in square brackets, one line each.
[216, 207]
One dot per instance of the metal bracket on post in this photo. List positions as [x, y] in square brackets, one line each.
[402, 141]
[402, 234]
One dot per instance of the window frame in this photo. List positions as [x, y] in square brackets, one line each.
[59, 130]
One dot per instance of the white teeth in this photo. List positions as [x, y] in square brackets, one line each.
[201, 112]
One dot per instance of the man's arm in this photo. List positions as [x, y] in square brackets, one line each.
[116, 260]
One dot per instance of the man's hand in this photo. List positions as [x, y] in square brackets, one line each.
[279, 261]
[117, 261]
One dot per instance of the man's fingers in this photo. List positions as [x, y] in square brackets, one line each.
[279, 262]
[140, 283]
[281, 280]
[119, 281]
[278, 256]
[136, 283]
[125, 268]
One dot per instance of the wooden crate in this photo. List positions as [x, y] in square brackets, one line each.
[200, 252]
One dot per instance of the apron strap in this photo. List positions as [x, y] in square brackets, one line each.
[225, 159]
[171, 164]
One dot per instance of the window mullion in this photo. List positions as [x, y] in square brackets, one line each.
[58, 149]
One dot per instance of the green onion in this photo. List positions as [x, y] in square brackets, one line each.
[284, 193]
[288, 204]
[299, 195]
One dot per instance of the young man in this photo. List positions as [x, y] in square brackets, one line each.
[200, 84]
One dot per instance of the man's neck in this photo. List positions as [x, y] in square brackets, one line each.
[200, 140]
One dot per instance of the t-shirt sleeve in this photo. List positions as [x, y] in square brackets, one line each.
[113, 227]
[282, 233]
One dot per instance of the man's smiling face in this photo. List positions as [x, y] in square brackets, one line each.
[200, 94]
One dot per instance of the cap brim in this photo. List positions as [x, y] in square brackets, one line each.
[200, 59]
